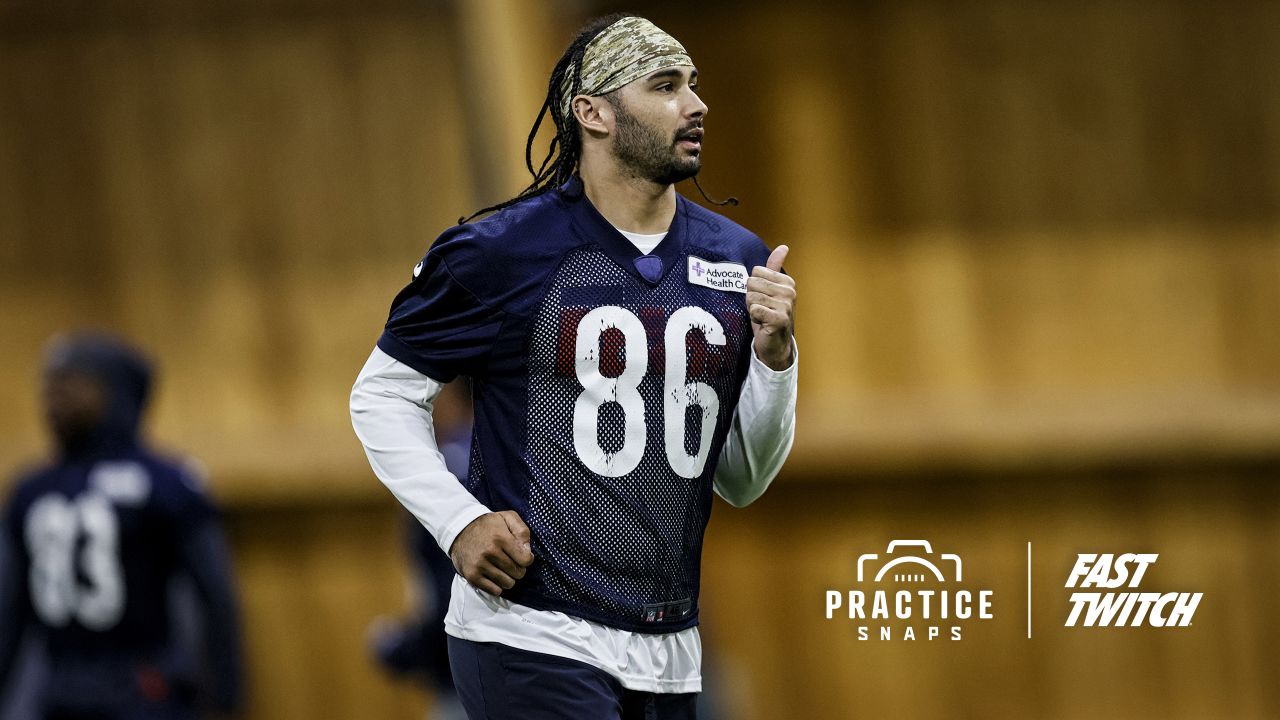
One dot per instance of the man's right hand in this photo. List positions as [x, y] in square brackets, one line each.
[493, 551]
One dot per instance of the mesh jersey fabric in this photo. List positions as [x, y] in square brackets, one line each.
[602, 396]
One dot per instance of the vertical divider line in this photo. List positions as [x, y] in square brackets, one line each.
[1028, 589]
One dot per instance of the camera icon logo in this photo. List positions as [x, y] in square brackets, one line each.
[909, 568]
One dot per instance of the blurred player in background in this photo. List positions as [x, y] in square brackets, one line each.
[91, 547]
[630, 352]
[416, 646]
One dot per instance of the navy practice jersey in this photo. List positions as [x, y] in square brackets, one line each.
[96, 544]
[604, 382]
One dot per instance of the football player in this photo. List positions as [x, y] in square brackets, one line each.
[631, 353]
[91, 544]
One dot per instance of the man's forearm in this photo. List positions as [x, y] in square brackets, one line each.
[391, 414]
[761, 435]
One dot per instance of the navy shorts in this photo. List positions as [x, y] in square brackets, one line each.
[499, 682]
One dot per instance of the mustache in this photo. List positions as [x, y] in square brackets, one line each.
[692, 132]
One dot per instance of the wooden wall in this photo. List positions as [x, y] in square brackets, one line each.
[314, 579]
[241, 192]
[240, 188]
[1017, 227]
[1037, 245]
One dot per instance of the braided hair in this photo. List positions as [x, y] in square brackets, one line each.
[561, 161]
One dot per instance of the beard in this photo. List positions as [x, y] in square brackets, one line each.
[648, 155]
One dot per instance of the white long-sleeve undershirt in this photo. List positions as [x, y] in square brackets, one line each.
[391, 414]
[761, 433]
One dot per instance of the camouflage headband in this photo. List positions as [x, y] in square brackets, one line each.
[626, 50]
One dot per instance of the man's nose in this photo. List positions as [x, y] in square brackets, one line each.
[697, 108]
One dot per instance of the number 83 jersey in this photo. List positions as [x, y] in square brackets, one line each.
[96, 544]
[604, 381]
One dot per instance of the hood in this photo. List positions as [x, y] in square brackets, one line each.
[126, 377]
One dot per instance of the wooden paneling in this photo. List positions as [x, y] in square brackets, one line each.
[1038, 253]
[1018, 231]
[313, 578]
[997, 214]
[243, 197]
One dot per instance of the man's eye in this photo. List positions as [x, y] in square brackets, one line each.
[664, 87]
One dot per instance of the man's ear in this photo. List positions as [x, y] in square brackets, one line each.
[594, 114]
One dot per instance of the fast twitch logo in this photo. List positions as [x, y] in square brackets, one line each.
[908, 592]
[1116, 609]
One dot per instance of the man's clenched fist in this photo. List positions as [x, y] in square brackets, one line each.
[493, 551]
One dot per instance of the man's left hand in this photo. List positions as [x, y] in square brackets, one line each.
[771, 300]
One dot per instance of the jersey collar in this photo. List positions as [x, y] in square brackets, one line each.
[593, 227]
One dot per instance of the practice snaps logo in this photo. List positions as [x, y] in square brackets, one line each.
[1117, 609]
[908, 592]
